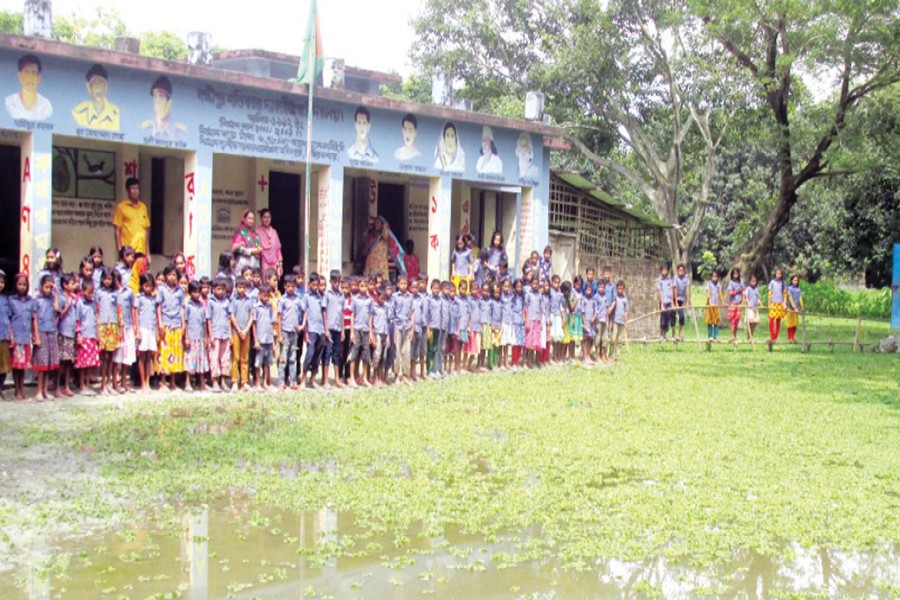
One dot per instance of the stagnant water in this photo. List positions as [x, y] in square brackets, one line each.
[240, 552]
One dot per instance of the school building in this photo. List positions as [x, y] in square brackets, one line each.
[209, 141]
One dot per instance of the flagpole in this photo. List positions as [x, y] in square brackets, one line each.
[309, 123]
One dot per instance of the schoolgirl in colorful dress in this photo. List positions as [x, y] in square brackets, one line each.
[109, 327]
[473, 345]
[735, 299]
[794, 308]
[496, 336]
[576, 315]
[714, 300]
[45, 359]
[5, 361]
[777, 308]
[507, 335]
[170, 316]
[126, 355]
[752, 296]
[148, 329]
[587, 308]
[487, 301]
[462, 299]
[518, 309]
[23, 327]
[87, 338]
[66, 330]
[534, 322]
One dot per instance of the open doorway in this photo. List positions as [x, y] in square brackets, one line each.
[10, 201]
[390, 207]
[284, 202]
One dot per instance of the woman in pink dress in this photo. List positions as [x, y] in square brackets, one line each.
[271, 244]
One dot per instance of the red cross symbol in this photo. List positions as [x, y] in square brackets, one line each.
[262, 183]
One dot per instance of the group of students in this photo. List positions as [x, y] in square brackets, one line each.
[785, 302]
[107, 324]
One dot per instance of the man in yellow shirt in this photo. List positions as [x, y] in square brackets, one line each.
[131, 219]
[98, 112]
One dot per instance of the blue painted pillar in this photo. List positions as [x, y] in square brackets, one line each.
[35, 216]
[331, 218]
[895, 288]
[198, 170]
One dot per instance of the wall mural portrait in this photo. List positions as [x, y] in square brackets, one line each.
[162, 125]
[449, 155]
[28, 103]
[409, 128]
[489, 162]
[361, 150]
[98, 112]
[525, 154]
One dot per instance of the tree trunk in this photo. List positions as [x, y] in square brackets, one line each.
[752, 256]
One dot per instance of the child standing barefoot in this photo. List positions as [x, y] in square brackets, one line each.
[170, 314]
[795, 308]
[735, 299]
[752, 296]
[486, 331]
[533, 323]
[714, 300]
[108, 326]
[5, 361]
[87, 354]
[618, 313]
[602, 303]
[777, 310]
[196, 360]
[125, 357]
[264, 324]
[473, 342]
[46, 345]
[518, 308]
[147, 329]
[23, 327]
[588, 308]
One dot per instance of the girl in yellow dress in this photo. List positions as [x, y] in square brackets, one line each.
[714, 300]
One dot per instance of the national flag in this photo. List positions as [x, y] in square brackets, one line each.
[312, 60]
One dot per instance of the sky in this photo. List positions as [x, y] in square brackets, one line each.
[364, 33]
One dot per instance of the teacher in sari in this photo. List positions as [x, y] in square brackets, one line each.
[380, 253]
[270, 243]
[245, 244]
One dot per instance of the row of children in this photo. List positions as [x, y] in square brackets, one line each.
[784, 302]
[238, 326]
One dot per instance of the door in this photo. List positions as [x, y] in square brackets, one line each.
[285, 203]
[390, 207]
[10, 202]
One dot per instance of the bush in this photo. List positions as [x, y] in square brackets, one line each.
[826, 298]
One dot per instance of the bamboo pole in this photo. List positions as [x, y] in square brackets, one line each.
[696, 328]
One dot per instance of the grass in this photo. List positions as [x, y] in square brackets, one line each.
[683, 454]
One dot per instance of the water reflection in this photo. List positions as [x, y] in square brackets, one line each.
[243, 552]
[195, 551]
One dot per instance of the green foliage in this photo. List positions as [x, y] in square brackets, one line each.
[416, 88]
[828, 299]
[99, 30]
[163, 44]
[708, 265]
[11, 22]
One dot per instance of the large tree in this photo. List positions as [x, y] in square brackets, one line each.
[632, 84]
[795, 53]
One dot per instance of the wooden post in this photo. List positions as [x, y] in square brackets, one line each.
[803, 331]
[696, 328]
[858, 332]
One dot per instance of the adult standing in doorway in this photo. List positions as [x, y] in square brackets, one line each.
[245, 243]
[381, 252]
[131, 220]
[271, 244]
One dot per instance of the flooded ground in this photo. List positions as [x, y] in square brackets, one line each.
[239, 552]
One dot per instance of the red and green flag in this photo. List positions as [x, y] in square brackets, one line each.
[312, 60]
